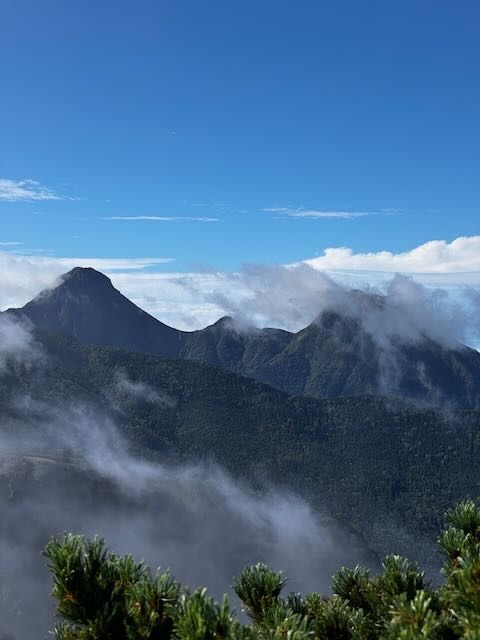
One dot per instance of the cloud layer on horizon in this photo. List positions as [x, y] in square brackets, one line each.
[435, 256]
[193, 300]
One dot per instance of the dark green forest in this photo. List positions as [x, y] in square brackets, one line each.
[385, 468]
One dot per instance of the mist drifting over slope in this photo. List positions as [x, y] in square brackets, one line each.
[290, 297]
[68, 468]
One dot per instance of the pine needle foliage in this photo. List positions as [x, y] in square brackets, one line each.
[103, 596]
[259, 588]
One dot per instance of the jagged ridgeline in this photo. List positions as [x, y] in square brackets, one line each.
[332, 357]
[103, 595]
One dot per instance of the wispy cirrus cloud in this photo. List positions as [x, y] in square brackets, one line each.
[25, 191]
[163, 218]
[301, 212]
[10, 244]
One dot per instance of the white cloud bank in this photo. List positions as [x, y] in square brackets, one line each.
[193, 300]
[436, 256]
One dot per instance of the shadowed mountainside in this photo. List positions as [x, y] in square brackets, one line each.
[86, 305]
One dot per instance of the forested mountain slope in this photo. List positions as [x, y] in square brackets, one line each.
[335, 357]
[387, 469]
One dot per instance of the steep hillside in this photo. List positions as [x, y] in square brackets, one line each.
[335, 357]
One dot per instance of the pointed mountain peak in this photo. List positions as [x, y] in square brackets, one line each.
[86, 276]
[87, 306]
[80, 281]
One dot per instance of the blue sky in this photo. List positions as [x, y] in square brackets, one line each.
[270, 130]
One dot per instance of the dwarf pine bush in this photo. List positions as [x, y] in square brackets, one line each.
[103, 596]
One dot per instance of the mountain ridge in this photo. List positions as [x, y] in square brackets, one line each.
[331, 357]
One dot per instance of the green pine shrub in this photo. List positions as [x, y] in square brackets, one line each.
[103, 596]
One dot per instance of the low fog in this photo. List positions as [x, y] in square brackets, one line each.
[193, 519]
[68, 468]
[17, 344]
[135, 390]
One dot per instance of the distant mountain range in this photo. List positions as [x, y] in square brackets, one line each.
[332, 357]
